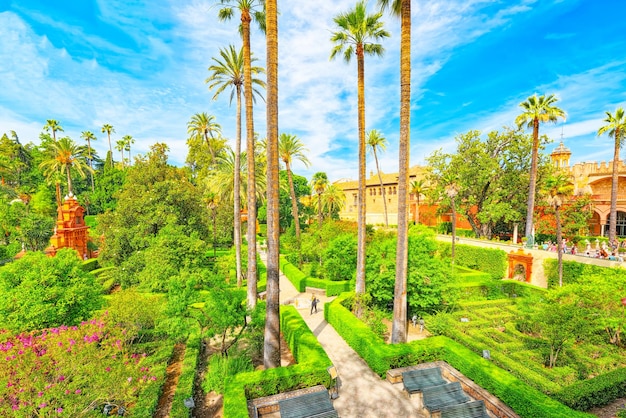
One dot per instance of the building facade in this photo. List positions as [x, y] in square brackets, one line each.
[590, 178]
[595, 179]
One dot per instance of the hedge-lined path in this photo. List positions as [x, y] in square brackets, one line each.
[362, 393]
[171, 381]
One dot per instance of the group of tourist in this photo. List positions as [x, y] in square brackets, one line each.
[602, 250]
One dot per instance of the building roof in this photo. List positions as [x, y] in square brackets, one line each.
[388, 178]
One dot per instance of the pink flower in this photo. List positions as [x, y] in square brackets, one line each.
[77, 391]
[42, 405]
[59, 410]
[40, 394]
[61, 378]
[108, 369]
[129, 379]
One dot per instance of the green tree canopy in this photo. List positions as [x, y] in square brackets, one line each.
[491, 175]
[41, 292]
[154, 195]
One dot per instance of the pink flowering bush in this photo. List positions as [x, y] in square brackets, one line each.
[67, 371]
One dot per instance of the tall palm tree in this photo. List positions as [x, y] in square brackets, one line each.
[204, 126]
[536, 110]
[227, 72]
[120, 145]
[128, 141]
[376, 140]
[333, 199]
[402, 9]
[63, 156]
[557, 188]
[418, 187]
[271, 343]
[615, 127]
[249, 10]
[290, 148]
[109, 130]
[54, 126]
[319, 182]
[357, 34]
[89, 136]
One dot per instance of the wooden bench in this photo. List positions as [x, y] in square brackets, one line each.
[415, 380]
[437, 397]
[315, 404]
[473, 409]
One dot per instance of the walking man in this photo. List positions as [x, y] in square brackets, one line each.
[313, 304]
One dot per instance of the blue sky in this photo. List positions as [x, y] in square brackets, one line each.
[140, 66]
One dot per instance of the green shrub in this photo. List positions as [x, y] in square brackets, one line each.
[295, 276]
[91, 264]
[340, 258]
[598, 391]
[221, 368]
[574, 271]
[487, 260]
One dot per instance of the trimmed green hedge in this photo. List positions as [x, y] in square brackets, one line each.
[184, 388]
[573, 271]
[295, 276]
[488, 260]
[300, 280]
[310, 370]
[528, 402]
[90, 264]
[599, 391]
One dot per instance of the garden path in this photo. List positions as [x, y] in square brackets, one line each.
[362, 394]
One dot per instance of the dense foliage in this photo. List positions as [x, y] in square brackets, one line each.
[491, 175]
[41, 292]
[429, 278]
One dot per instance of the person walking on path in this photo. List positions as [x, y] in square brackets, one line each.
[313, 303]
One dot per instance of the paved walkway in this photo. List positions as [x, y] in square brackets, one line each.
[362, 393]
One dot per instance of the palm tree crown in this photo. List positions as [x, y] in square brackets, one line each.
[203, 126]
[54, 126]
[64, 155]
[358, 33]
[228, 72]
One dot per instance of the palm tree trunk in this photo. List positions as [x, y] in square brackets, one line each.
[211, 150]
[559, 243]
[360, 259]
[93, 186]
[382, 187]
[251, 195]
[237, 194]
[69, 180]
[399, 325]
[294, 203]
[271, 344]
[530, 209]
[110, 147]
[614, 185]
[319, 208]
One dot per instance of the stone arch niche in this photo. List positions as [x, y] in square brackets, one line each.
[520, 263]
